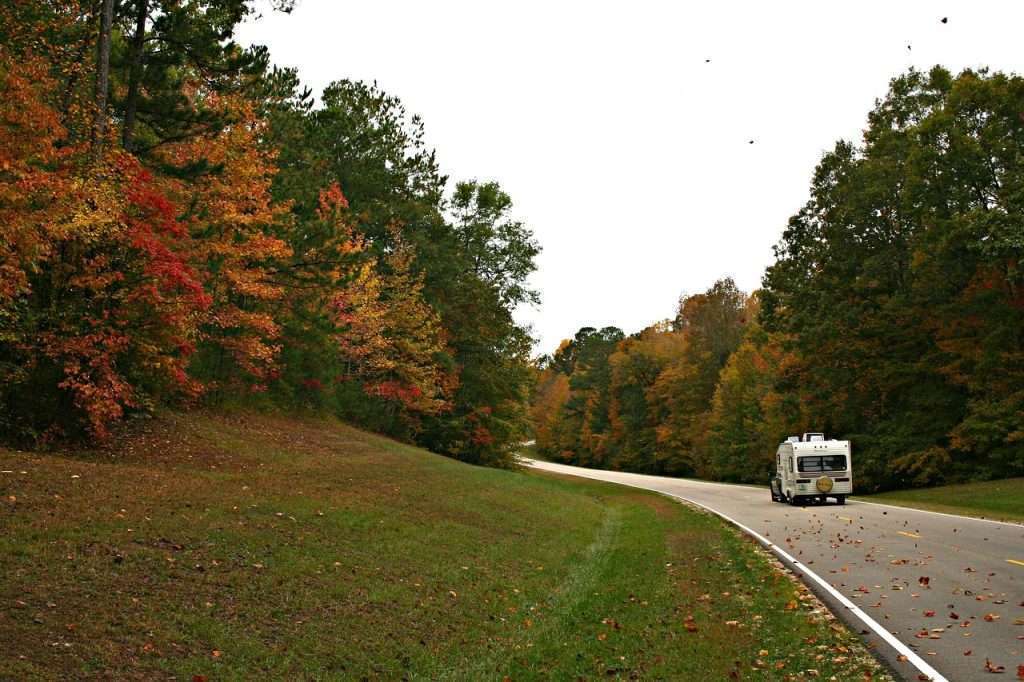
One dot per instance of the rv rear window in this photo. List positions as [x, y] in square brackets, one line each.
[823, 463]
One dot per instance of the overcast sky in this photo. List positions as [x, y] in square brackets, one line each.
[625, 152]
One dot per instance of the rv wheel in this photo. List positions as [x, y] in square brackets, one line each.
[841, 499]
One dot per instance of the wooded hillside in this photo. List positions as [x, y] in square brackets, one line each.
[183, 224]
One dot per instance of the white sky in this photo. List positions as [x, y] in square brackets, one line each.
[622, 149]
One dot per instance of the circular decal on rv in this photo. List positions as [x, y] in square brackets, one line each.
[824, 484]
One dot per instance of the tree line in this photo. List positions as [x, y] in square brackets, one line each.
[184, 224]
[893, 315]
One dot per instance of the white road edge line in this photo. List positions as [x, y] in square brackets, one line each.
[889, 638]
[1012, 524]
[912, 657]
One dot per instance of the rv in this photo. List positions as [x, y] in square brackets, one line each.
[809, 468]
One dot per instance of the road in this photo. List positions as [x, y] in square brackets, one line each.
[934, 594]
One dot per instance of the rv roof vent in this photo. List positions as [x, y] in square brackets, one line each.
[812, 437]
[793, 439]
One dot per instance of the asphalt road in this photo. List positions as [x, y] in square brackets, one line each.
[948, 588]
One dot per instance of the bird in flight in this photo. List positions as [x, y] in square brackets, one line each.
[707, 61]
[751, 142]
[945, 20]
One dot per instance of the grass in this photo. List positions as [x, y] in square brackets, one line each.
[254, 547]
[1001, 500]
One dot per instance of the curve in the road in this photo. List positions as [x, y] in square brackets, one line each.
[899, 653]
[901, 648]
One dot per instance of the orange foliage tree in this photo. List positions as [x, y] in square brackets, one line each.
[390, 339]
[230, 215]
[97, 297]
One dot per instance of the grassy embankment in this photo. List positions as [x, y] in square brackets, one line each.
[1000, 500]
[264, 548]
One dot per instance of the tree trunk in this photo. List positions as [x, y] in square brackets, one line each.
[103, 72]
[135, 74]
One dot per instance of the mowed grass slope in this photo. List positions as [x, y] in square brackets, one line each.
[1000, 500]
[252, 547]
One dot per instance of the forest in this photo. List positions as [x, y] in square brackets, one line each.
[185, 225]
[892, 315]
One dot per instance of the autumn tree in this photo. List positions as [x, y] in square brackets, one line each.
[98, 297]
[471, 256]
[713, 324]
[551, 391]
[633, 413]
[230, 216]
[392, 346]
[582, 434]
[749, 416]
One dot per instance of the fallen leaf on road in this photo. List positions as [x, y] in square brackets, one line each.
[993, 668]
[991, 617]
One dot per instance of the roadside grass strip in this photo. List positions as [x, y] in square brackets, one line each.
[991, 500]
[254, 547]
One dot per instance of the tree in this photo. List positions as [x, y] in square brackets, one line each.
[210, 243]
[636, 366]
[471, 257]
[551, 391]
[748, 416]
[583, 428]
[713, 324]
[103, 71]
[499, 251]
[230, 217]
[484, 258]
[163, 50]
[97, 295]
[897, 288]
[392, 343]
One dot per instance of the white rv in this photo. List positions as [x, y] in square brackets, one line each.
[809, 468]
